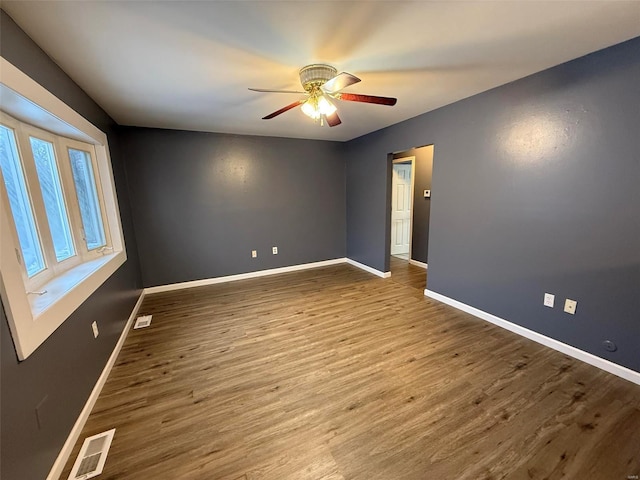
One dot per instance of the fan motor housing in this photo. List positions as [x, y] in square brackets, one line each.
[316, 75]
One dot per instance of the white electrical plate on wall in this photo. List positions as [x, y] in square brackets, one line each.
[570, 306]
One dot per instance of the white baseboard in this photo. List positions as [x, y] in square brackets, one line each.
[241, 276]
[574, 352]
[67, 448]
[369, 269]
[417, 263]
[262, 273]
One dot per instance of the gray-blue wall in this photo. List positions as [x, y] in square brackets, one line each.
[64, 369]
[202, 201]
[535, 189]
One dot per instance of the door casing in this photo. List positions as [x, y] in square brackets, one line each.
[412, 161]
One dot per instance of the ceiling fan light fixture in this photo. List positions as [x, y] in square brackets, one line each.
[322, 83]
[310, 108]
[316, 106]
[325, 107]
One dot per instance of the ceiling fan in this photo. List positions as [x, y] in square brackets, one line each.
[322, 82]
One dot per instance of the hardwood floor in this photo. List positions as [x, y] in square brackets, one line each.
[335, 374]
[407, 274]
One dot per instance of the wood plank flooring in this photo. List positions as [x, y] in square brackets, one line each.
[407, 274]
[335, 374]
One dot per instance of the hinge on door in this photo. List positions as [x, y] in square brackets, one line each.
[19, 256]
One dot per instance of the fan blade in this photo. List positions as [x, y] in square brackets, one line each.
[333, 119]
[276, 91]
[354, 97]
[284, 109]
[340, 81]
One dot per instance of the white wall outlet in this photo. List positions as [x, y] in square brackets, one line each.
[570, 306]
[549, 299]
[274, 250]
[94, 327]
[254, 253]
[427, 194]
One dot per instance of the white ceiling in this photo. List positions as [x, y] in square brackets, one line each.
[187, 65]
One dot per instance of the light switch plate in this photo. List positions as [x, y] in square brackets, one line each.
[549, 300]
[94, 327]
[427, 194]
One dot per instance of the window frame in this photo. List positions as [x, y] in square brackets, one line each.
[67, 144]
[10, 125]
[33, 318]
[23, 133]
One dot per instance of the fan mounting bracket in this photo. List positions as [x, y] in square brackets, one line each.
[313, 76]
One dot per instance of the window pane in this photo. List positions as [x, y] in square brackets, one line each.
[19, 202]
[47, 169]
[87, 198]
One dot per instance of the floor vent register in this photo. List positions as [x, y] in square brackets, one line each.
[142, 321]
[92, 456]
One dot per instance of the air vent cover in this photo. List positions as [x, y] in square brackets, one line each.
[143, 321]
[92, 456]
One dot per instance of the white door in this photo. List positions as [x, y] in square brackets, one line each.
[401, 209]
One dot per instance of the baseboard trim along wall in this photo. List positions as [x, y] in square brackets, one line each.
[241, 276]
[417, 263]
[261, 273]
[574, 352]
[67, 448]
[369, 269]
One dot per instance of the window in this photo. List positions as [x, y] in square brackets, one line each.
[54, 204]
[16, 188]
[57, 208]
[87, 195]
[60, 232]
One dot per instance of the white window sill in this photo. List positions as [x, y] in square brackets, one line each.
[35, 317]
[64, 285]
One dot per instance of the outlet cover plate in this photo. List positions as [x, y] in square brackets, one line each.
[570, 306]
[549, 300]
[94, 327]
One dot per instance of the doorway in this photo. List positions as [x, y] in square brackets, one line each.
[409, 182]
[402, 207]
